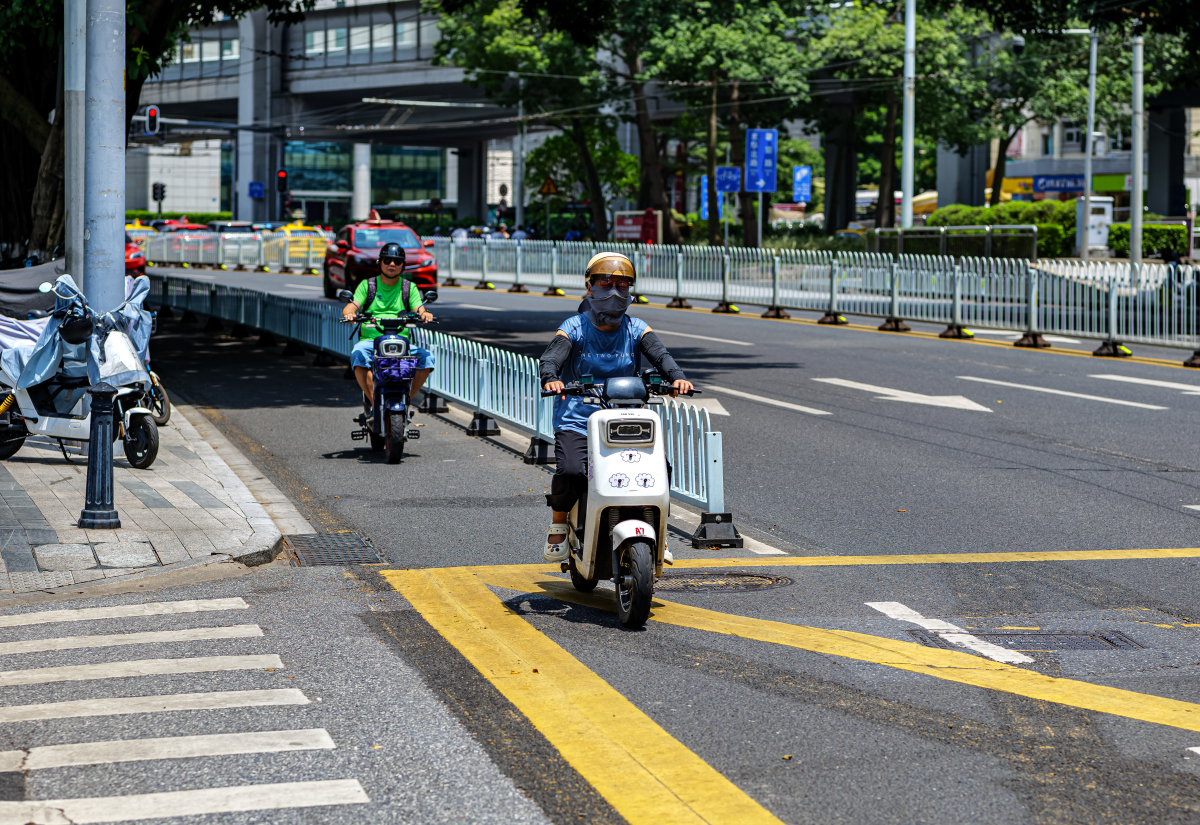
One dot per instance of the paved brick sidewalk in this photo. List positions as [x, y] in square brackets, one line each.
[190, 508]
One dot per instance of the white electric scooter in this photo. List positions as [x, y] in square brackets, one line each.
[621, 535]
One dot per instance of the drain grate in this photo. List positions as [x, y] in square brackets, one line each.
[332, 549]
[696, 582]
[1033, 641]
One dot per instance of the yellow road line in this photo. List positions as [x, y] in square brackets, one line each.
[941, 558]
[941, 664]
[648, 776]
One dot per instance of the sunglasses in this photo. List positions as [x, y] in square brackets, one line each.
[392, 261]
[620, 282]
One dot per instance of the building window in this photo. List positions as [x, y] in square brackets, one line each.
[335, 41]
[319, 167]
[314, 42]
[1072, 137]
[1120, 142]
[210, 50]
[230, 49]
[429, 33]
[381, 34]
[406, 35]
[360, 39]
[191, 52]
[403, 173]
[1047, 145]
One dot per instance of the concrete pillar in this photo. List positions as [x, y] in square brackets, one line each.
[74, 85]
[1166, 145]
[841, 172]
[253, 148]
[360, 203]
[472, 181]
[962, 179]
[104, 156]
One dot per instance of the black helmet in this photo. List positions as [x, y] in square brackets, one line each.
[76, 328]
[393, 252]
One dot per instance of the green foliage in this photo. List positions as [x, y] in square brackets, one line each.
[193, 217]
[1055, 221]
[559, 158]
[1053, 241]
[1156, 239]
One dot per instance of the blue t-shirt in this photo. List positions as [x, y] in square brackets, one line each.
[598, 354]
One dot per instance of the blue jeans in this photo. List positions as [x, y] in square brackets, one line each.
[363, 351]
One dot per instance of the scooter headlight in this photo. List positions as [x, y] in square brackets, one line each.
[636, 431]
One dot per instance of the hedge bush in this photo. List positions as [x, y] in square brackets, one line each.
[1155, 239]
[146, 216]
[1055, 221]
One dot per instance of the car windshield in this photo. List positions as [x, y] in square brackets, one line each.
[128, 239]
[230, 230]
[375, 238]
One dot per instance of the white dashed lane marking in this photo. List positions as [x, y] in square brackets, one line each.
[953, 634]
[1106, 400]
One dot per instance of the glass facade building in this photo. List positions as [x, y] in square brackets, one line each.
[404, 173]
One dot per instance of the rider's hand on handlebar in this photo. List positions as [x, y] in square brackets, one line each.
[349, 311]
[554, 386]
[682, 386]
[425, 315]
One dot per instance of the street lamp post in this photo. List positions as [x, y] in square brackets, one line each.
[1087, 161]
[74, 84]
[910, 110]
[1135, 194]
[519, 183]
[104, 156]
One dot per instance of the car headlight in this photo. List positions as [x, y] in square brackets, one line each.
[137, 255]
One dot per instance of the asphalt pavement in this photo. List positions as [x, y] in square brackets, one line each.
[984, 609]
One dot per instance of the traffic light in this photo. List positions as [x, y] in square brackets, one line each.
[152, 120]
[160, 191]
[281, 181]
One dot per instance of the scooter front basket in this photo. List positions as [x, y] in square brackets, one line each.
[394, 370]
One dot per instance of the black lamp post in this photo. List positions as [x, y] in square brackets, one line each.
[98, 510]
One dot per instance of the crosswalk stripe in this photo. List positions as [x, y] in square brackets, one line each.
[184, 803]
[122, 611]
[196, 634]
[172, 747]
[123, 705]
[139, 667]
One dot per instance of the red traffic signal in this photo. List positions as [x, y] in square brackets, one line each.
[152, 120]
[281, 183]
[160, 191]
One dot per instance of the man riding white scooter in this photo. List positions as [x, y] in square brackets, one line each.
[603, 342]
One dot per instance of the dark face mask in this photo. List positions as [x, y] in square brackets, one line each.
[606, 307]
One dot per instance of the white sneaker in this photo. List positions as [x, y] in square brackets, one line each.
[667, 557]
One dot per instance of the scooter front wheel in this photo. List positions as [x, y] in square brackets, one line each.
[394, 449]
[141, 442]
[635, 583]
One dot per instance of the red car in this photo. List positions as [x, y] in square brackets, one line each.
[353, 257]
[135, 258]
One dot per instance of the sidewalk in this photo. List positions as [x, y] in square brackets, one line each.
[190, 508]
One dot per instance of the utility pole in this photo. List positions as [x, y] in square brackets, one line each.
[910, 111]
[519, 183]
[74, 83]
[104, 156]
[1087, 148]
[1136, 158]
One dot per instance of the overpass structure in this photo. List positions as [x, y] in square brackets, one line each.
[299, 93]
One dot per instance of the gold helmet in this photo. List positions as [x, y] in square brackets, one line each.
[609, 263]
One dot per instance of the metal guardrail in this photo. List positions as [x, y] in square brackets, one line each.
[493, 382]
[1151, 303]
[237, 251]
[984, 240]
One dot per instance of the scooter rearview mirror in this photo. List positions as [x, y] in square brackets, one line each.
[430, 296]
[345, 295]
[45, 287]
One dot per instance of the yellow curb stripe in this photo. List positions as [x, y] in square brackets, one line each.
[949, 665]
[648, 776]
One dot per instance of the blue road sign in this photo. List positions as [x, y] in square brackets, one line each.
[704, 199]
[729, 178]
[762, 156]
[256, 189]
[802, 184]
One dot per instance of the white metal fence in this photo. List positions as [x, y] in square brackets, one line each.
[237, 251]
[489, 380]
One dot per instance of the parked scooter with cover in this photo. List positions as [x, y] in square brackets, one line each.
[618, 529]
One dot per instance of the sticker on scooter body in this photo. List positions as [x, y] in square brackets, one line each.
[619, 480]
[644, 480]
[631, 456]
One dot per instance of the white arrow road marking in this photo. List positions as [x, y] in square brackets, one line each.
[713, 405]
[770, 401]
[1188, 389]
[477, 306]
[956, 402]
[1058, 339]
[953, 634]
[1064, 392]
[662, 331]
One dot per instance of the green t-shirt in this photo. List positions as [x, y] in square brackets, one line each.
[388, 303]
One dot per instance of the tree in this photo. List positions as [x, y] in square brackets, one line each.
[31, 38]
[734, 62]
[513, 56]
[560, 159]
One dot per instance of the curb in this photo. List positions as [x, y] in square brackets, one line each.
[148, 573]
[264, 546]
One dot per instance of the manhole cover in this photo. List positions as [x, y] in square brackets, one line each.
[332, 549]
[1032, 641]
[692, 582]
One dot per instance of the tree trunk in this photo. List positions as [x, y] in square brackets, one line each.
[17, 110]
[998, 172]
[885, 206]
[596, 200]
[652, 192]
[737, 157]
[714, 222]
[48, 208]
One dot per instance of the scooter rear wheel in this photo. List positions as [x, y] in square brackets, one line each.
[579, 582]
[10, 445]
[635, 583]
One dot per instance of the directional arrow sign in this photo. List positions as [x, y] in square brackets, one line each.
[956, 402]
